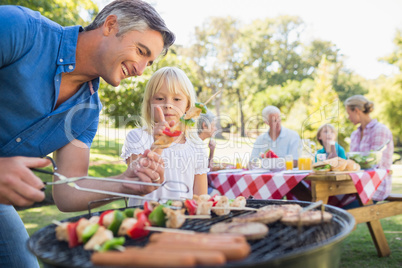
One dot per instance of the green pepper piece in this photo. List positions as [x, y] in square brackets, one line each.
[129, 212]
[89, 231]
[157, 216]
[188, 122]
[169, 202]
[202, 107]
[112, 244]
[117, 220]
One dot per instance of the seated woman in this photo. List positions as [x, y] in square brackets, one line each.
[326, 136]
[370, 135]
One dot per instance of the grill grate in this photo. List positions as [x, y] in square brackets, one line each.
[281, 242]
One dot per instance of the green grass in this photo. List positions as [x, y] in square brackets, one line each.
[358, 249]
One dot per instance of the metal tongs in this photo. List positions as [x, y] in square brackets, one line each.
[71, 182]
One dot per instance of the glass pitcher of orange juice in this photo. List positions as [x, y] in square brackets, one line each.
[305, 162]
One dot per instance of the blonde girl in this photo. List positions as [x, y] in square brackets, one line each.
[168, 95]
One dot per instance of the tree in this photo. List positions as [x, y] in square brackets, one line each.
[64, 12]
[324, 105]
[216, 54]
[386, 92]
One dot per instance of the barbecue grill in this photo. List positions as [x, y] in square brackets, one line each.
[284, 246]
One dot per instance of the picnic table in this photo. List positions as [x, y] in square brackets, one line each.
[275, 185]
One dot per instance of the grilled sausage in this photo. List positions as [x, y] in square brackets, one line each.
[232, 251]
[135, 256]
[251, 230]
[198, 238]
[207, 257]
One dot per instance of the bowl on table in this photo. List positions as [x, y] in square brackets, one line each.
[366, 160]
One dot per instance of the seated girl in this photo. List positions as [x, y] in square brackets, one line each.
[168, 95]
[326, 136]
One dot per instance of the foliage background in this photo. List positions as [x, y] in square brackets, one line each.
[257, 64]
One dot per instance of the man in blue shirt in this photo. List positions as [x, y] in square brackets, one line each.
[49, 77]
[280, 140]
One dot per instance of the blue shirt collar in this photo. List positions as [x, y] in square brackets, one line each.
[68, 46]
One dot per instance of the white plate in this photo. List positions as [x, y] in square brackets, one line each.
[256, 171]
[296, 171]
[229, 171]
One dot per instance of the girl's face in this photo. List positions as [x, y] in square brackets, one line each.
[326, 135]
[353, 116]
[173, 105]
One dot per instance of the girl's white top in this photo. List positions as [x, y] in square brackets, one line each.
[182, 162]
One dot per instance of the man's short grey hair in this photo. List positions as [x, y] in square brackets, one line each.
[134, 15]
[207, 118]
[270, 110]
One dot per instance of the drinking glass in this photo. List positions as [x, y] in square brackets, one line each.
[289, 162]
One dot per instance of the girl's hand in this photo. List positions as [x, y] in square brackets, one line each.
[160, 124]
[149, 168]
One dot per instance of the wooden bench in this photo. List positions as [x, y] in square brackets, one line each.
[324, 186]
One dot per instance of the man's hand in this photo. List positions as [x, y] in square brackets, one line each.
[18, 185]
[148, 168]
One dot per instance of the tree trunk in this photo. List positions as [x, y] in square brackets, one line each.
[242, 125]
[218, 101]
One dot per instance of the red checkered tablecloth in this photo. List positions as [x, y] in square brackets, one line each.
[367, 182]
[277, 185]
[261, 186]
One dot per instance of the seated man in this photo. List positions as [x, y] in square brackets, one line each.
[279, 139]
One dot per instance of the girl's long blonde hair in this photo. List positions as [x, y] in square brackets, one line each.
[177, 82]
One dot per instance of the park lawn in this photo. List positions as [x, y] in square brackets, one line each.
[358, 249]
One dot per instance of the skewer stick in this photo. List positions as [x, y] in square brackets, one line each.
[168, 230]
[236, 208]
[213, 96]
[311, 206]
[58, 223]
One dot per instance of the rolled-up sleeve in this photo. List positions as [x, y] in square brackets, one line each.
[88, 135]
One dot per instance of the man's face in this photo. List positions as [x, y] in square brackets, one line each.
[274, 121]
[128, 55]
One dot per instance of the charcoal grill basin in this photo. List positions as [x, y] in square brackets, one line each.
[284, 247]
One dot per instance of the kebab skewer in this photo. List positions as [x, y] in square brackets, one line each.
[107, 231]
[187, 119]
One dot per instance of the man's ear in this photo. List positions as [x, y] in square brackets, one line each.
[110, 25]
